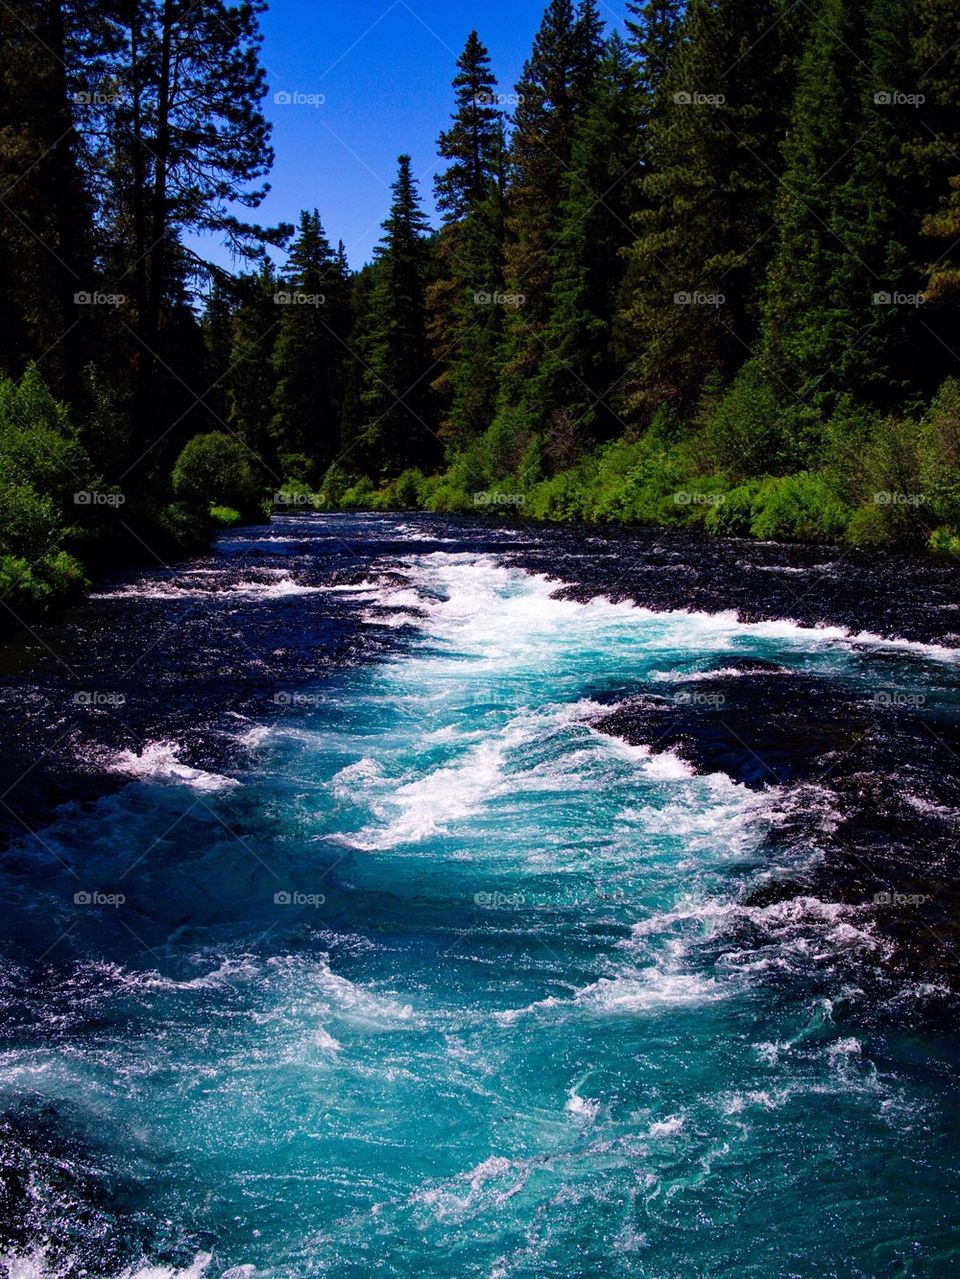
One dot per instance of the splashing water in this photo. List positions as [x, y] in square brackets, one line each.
[432, 976]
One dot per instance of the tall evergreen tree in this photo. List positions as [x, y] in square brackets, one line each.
[466, 318]
[937, 63]
[552, 89]
[473, 140]
[250, 377]
[849, 213]
[551, 93]
[694, 272]
[396, 396]
[46, 249]
[465, 333]
[652, 33]
[309, 354]
[578, 370]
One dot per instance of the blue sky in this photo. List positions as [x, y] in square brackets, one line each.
[374, 80]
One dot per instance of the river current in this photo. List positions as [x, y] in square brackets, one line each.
[415, 897]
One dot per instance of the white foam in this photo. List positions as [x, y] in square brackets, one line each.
[32, 1267]
[584, 1108]
[476, 583]
[648, 991]
[666, 1127]
[184, 589]
[491, 1183]
[325, 1041]
[159, 762]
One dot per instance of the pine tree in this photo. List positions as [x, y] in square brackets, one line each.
[352, 459]
[578, 371]
[399, 430]
[552, 91]
[465, 333]
[937, 62]
[309, 354]
[216, 325]
[694, 274]
[46, 249]
[250, 379]
[653, 31]
[472, 142]
[476, 334]
[848, 215]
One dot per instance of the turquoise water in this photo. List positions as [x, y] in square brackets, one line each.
[438, 980]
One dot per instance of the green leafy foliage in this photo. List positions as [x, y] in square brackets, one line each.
[214, 471]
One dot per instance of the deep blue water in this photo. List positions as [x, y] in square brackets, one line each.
[348, 938]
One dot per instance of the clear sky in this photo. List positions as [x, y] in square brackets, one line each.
[374, 81]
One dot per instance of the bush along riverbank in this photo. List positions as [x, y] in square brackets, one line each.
[62, 522]
[872, 483]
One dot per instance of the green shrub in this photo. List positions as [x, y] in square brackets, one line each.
[456, 490]
[359, 496]
[505, 442]
[296, 467]
[749, 431]
[38, 445]
[733, 516]
[945, 541]
[939, 455]
[801, 507]
[559, 498]
[294, 495]
[874, 462]
[225, 516]
[29, 524]
[332, 487]
[32, 588]
[214, 470]
[407, 489]
[869, 527]
[637, 484]
[448, 499]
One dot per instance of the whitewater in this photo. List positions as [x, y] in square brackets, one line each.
[422, 969]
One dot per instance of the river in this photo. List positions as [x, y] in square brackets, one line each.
[420, 897]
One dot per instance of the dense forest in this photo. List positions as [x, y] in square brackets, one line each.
[704, 272]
